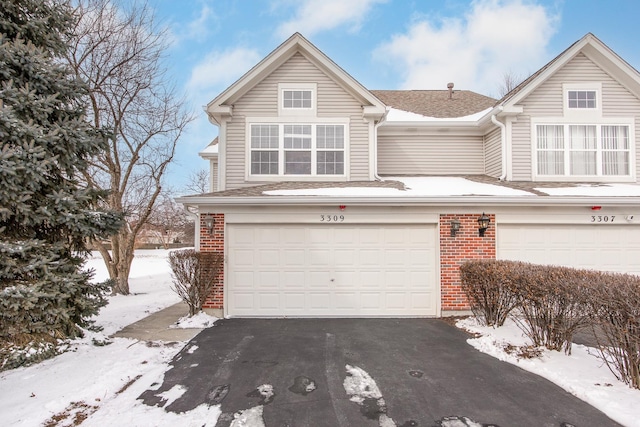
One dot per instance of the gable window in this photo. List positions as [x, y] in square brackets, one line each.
[298, 149]
[296, 99]
[581, 99]
[583, 150]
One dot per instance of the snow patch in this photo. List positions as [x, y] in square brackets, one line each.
[415, 187]
[251, 417]
[173, 394]
[198, 321]
[603, 190]
[397, 115]
[359, 385]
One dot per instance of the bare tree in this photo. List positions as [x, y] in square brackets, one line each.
[168, 220]
[510, 81]
[118, 50]
[198, 182]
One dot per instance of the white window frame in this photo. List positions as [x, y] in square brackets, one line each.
[566, 122]
[584, 113]
[297, 112]
[314, 122]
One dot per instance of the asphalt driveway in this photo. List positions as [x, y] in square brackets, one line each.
[398, 372]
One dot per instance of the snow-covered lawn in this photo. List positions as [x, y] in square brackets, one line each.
[582, 373]
[101, 383]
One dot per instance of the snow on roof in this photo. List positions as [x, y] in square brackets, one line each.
[396, 115]
[210, 149]
[415, 187]
[598, 190]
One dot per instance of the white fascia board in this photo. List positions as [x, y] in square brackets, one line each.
[484, 201]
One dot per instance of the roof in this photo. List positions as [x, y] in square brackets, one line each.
[222, 105]
[436, 103]
[211, 150]
[593, 48]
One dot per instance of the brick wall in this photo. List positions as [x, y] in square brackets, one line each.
[455, 250]
[214, 243]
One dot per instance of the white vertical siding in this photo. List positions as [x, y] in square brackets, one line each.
[493, 153]
[262, 101]
[547, 101]
[430, 154]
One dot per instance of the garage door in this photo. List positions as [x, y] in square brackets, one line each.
[606, 247]
[338, 270]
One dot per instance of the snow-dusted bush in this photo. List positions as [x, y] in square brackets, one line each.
[616, 307]
[194, 275]
[553, 302]
[486, 286]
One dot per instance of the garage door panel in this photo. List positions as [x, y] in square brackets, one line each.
[600, 247]
[332, 270]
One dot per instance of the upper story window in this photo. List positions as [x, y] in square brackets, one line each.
[297, 99]
[581, 99]
[583, 150]
[297, 149]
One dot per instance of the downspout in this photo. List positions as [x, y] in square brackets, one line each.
[375, 143]
[503, 145]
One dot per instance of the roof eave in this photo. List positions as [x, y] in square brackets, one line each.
[484, 201]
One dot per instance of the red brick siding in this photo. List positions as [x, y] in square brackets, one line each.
[214, 243]
[455, 250]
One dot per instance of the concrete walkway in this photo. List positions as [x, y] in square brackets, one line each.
[155, 327]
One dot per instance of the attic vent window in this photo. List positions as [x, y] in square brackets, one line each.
[582, 99]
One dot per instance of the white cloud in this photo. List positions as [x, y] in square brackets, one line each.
[314, 16]
[475, 51]
[219, 69]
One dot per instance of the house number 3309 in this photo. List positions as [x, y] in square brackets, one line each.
[331, 218]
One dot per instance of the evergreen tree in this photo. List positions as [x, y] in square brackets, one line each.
[46, 215]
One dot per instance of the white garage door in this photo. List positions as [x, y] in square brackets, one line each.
[345, 270]
[606, 247]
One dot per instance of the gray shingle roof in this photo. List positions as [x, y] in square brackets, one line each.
[436, 103]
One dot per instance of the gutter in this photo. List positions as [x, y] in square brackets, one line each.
[503, 145]
[468, 201]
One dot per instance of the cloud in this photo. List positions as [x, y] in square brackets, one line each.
[495, 37]
[314, 16]
[218, 70]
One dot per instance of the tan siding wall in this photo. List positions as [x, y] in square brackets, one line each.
[547, 101]
[262, 101]
[493, 153]
[422, 154]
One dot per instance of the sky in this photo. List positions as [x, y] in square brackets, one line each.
[384, 44]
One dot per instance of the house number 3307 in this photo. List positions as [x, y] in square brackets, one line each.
[602, 218]
[331, 218]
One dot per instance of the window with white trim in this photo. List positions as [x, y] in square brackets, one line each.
[297, 99]
[600, 150]
[582, 99]
[297, 149]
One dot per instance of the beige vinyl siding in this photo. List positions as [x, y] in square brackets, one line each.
[213, 170]
[546, 101]
[262, 101]
[493, 153]
[430, 154]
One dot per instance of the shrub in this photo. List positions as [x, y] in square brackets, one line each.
[616, 308]
[194, 275]
[486, 286]
[552, 302]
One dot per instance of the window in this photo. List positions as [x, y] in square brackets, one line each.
[583, 150]
[581, 99]
[296, 99]
[297, 149]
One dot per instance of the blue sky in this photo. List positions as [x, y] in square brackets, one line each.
[384, 44]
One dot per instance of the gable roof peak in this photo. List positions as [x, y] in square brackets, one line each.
[596, 50]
